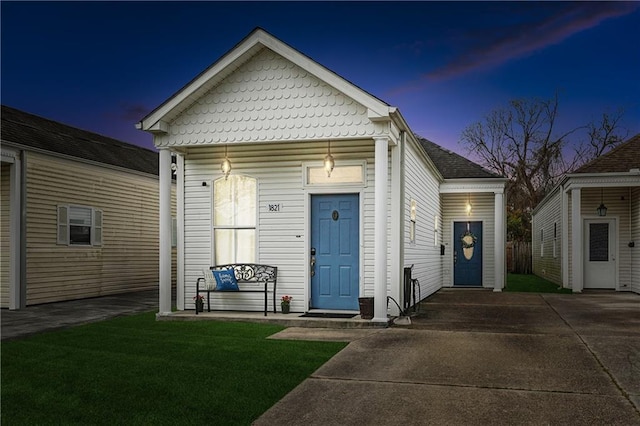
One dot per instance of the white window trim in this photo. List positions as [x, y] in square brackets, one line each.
[214, 227]
[63, 231]
[541, 242]
[343, 163]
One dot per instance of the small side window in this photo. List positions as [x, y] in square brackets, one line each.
[79, 226]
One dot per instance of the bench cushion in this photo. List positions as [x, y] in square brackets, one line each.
[226, 280]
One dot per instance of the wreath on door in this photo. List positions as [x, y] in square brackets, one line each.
[468, 243]
[468, 240]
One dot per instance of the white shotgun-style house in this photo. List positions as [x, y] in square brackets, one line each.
[282, 162]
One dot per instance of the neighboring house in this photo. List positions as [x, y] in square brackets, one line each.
[586, 232]
[392, 200]
[79, 213]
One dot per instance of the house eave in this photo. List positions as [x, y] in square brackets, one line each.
[465, 185]
[590, 180]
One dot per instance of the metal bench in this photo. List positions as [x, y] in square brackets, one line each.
[251, 277]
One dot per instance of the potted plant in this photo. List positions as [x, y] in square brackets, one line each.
[285, 304]
[199, 300]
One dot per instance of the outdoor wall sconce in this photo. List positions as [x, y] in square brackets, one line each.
[174, 165]
[329, 163]
[226, 165]
[469, 207]
[602, 209]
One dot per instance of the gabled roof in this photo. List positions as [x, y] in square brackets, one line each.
[258, 39]
[621, 159]
[27, 130]
[452, 165]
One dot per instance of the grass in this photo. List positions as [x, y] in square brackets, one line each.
[532, 284]
[135, 370]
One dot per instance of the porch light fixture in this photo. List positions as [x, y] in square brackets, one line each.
[469, 207]
[602, 209]
[226, 165]
[329, 163]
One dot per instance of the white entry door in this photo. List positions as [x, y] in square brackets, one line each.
[600, 242]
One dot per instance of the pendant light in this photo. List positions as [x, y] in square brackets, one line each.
[226, 164]
[602, 209]
[329, 163]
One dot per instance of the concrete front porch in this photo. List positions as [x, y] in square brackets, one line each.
[293, 319]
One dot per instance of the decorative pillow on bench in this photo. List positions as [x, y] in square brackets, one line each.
[226, 280]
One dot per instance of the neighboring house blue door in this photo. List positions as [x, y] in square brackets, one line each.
[335, 257]
[467, 254]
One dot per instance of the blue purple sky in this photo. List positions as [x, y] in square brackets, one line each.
[103, 66]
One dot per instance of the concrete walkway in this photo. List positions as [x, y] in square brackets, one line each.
[469, 357]
[478, 357]
[56, 316]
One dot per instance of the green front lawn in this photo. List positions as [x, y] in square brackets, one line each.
[532, 284]
[135, 370]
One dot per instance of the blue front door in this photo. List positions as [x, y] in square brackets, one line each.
[335, 257]
[467, 254]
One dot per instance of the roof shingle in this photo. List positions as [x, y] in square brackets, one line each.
[620, 159]
[30, 130]
[452, 165]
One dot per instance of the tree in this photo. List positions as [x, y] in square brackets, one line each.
[521, 142]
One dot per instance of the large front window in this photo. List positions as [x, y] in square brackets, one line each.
[234, 220]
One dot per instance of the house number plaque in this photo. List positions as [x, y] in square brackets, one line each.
[275, 207]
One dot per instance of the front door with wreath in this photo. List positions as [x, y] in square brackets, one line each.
[467, 254]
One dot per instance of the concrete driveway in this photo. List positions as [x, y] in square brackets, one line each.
[476, 357]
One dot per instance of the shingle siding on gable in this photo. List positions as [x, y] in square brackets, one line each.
[269, 99]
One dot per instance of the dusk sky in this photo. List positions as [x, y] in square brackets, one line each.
[445, 65]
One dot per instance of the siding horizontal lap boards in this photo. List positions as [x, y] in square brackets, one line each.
[281, 239]
[128, 258]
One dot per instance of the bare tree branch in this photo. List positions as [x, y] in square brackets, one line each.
[521, 143]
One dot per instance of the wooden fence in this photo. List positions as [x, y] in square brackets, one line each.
[519, 257]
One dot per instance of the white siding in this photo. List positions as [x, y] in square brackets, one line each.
[128, 258]
[421, 185]
[281, 237]
[453, 208]
[548, 266]
[5, 236]
[269, 99]
[635, 238]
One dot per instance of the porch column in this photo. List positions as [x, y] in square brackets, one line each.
[381, 220]
[165, 232]
[499, 241]
[576, 239]
[180, 232]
